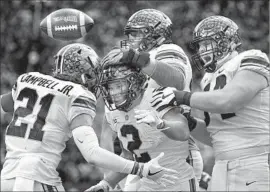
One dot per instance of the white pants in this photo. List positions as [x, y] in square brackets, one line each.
[247, 174]
[133, 184]
[23, 184]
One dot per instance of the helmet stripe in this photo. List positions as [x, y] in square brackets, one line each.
[82, 24]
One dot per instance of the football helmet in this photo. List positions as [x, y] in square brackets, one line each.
[77, 63]
[120, 84]
[155, 27]
[214, 39]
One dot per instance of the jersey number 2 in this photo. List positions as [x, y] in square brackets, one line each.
[36, 132]
[135, 144]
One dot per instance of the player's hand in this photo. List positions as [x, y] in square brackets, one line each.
[161, 175]
[182, 97]
[102, 186]
[150, 117]
[135, 58]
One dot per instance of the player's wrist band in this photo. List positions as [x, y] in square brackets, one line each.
[137, 169]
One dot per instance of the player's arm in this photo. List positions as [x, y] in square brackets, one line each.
[7, 103]
[107, 136]
[235, 95]
[200, 132]
[173, 123]
[114, 177]
[87, 142]
[107, 142]
[165, 73]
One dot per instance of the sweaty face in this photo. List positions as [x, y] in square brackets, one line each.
[118, 91]
[206, 51]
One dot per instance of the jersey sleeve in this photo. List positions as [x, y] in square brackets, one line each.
[163, 100]
[256, 61]
[83, 103]
[173, 55]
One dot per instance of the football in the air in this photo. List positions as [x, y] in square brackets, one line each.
[66, 24]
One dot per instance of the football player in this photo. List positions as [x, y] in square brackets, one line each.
[236, 104]
[149, 46]
[47, 111]
[129, 102]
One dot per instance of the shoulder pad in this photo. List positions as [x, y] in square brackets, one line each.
[14, 87]
[82, 103]
[257, 61]
[171, 51]
[163, 98]
[85, 102]
[255, 57]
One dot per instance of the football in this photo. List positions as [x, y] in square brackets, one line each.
[66, 24]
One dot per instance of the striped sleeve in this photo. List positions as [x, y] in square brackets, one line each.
[83, 104]
[257, 63]
[171, 52]
[174, 55]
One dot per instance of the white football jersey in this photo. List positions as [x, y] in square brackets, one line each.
[35, 138]
[248, 127]
[174, 55]
[146, 142]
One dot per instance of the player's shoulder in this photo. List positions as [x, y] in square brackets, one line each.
[28, 75]
[162, 98]
[253, 52]
[82, 94]
[170, 46]
[169, 51]
[25, 77]
[256, 61]
[254, 57]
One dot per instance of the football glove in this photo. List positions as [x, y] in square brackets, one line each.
[102, 186]
[161, 175]
[135, 58]
[150, 117]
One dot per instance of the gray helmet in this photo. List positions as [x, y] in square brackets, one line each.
[77, 63]
[224, 35]
[154, 24]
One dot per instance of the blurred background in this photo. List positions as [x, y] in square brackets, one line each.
[24, 48]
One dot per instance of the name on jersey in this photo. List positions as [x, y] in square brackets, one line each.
[47, 83]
